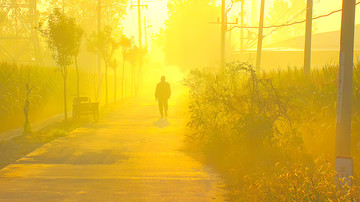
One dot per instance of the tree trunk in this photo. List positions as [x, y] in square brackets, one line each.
[122, 80]
[26, 113]
[78, 78]
[115, 85]
[132, 80]
[106, 83]
[140, 77]
[26, 109]
[65, 92]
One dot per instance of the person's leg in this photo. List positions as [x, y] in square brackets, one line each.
[166, 107]
[161, 107]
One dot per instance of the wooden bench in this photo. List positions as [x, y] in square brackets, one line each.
[83, 106]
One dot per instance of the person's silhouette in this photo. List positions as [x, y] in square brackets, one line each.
[162, 94]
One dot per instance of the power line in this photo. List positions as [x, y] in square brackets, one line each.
[293, 23]
[250, 43]
[293, 19]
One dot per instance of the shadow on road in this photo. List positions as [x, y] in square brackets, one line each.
[162, 123]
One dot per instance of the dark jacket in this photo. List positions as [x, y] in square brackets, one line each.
[163, 90]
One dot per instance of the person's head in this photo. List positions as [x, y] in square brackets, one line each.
[163, 78]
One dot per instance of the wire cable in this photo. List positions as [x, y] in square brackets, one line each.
[293, 23]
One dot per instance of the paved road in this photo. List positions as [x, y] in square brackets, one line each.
[127, 156]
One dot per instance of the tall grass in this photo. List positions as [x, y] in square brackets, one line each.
[270, 133]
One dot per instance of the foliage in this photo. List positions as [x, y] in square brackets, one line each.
[298, 182]
[247, 121]
[113, 11]
[130, 51]
[132, 56]
[64, 37]
[126, 44]
[240, 102]
[105, 43]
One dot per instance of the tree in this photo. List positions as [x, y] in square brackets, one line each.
[189, 40]
[113, 11]
[63, 37]
[105, 43]
[29, 88]
[126, 44]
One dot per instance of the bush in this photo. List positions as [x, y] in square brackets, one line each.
[240, 105]
[246, 121]
[298, 182]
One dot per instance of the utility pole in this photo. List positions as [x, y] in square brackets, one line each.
[229, 39]
[344, 161]
[308, 33]
[140, 47]
[145, 32]
[223, 30]
[141, 62]
[139, 22]
[242, 25]
[260, 37]
[223, 24]
[146, 27]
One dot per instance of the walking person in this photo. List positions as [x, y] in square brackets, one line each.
[162, 94]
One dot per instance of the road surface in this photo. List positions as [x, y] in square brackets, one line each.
[127, 156]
